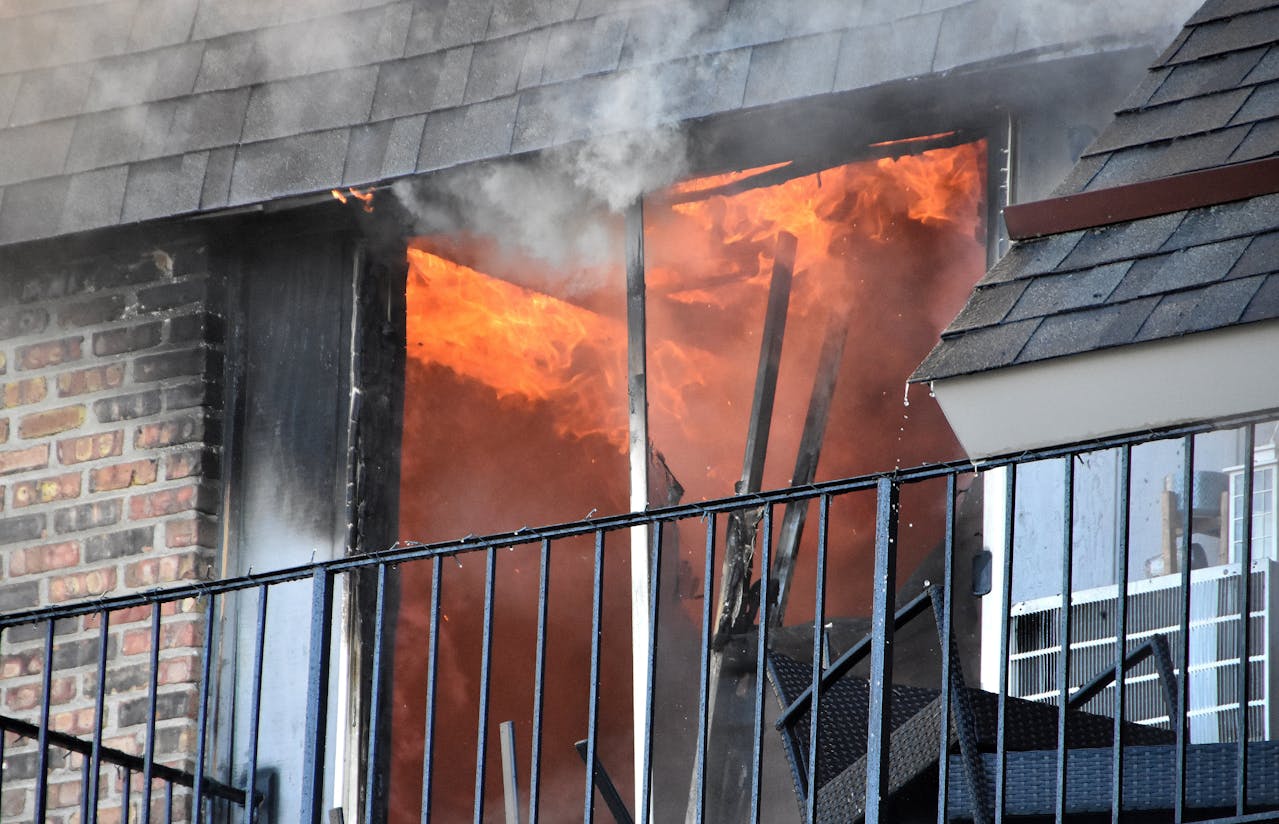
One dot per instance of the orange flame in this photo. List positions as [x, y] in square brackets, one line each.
[519, 342]
[365, 196]
[923, 138]
[709, 254]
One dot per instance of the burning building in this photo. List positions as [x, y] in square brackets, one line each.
[288, 285]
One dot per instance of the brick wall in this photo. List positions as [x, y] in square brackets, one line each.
[110, 375]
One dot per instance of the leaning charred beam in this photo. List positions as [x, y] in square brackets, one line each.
[736, 609]
[810, 451]
[820, 163]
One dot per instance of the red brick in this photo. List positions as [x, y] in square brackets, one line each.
[92, 515]
[13, 804]
[46, 490]
[66, 793]
[30, 662]
[23, 392]
[82, 584]
[93, 379]
[28, 696]
[189, 532]
[37, 559]
[75, 722]
[132, 744]
[165, 502]
[120, 476]
[50, 353]
[22, 460]
[168, 433]
[172, 636]
[183, 464]
[91, 447]
[43, 424]
[179, 670]
[130, 615]
[149, 572]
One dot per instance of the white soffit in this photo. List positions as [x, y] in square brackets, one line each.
[1133, 388]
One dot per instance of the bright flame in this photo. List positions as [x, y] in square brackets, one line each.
[712, 252]
[515, 364]
[923, 138]
[518, 342]
[365, 196]
[828, 211]
[702, 184]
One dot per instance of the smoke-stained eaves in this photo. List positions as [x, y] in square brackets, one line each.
[272, 98]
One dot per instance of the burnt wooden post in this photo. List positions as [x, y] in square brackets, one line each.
[729, 704]
[810, 450]
[735, 612]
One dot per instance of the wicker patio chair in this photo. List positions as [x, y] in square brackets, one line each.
[1149, 782]
[916, 723]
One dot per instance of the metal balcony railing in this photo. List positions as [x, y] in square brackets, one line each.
[326, 641]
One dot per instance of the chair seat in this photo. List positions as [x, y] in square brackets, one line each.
[1149, 779]
[915, 738]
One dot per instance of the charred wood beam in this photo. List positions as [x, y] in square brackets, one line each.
[736, 609]
[774, 177]
[810, 451]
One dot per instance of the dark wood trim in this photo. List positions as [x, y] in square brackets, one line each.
[1151, 198]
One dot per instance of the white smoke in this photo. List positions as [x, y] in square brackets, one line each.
[562, 207]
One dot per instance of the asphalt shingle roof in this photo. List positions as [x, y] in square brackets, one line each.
[117, 110]
[1210, 100]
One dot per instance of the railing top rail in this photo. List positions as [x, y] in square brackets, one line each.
[525, 535]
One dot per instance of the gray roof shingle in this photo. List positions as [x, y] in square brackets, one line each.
[233, 101]
[1209, 101]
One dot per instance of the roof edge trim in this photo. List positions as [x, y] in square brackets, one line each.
[1150, 198]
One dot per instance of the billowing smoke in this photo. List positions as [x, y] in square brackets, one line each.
[562, 207]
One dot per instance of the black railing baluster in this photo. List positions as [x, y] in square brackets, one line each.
[46, 698]
[643, 801]
[372, 760]
[126, 800]
[539, 683]
[1005, 607]
[1063, 631]
[704, 674]
[317, 699]
[486, 663]
[432, 672]
[84, 785]
[761, 660]
[255, 707]
[1245, 616]
[883, 608]
[946, 630]
[208, 796]
[1187, 504]
[1121, 632]
[152, 689]
[202, 716]
[99, 708]
[593, 690]
[819, 647]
